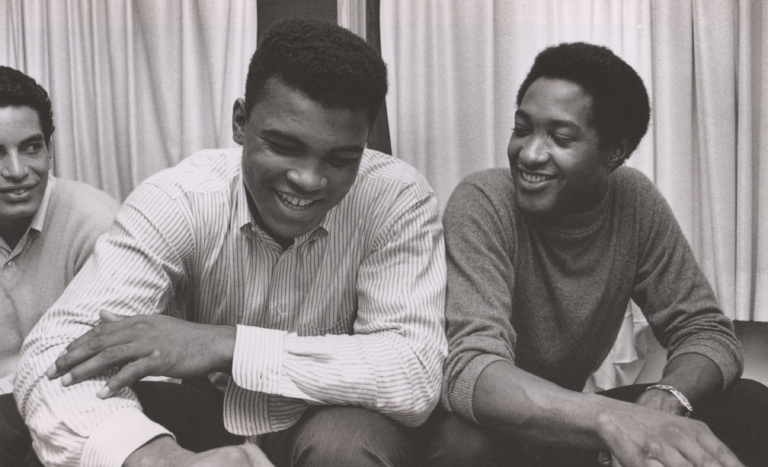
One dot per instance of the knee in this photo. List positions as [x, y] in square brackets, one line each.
[350, 436]
[452, 441]
[749, 394]
[15, 442]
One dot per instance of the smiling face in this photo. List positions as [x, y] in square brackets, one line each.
[299, 158]
[554, 153]
[24, 164]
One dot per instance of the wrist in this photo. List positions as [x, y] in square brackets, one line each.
[226, 348]
[668, 398]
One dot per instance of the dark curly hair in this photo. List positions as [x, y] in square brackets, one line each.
[18, 89]
[620, 106]
[331, 65]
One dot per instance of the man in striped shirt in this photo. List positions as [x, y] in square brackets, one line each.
[304, 275]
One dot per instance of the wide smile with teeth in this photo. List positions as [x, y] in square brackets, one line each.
[294, 202]
[534, 178]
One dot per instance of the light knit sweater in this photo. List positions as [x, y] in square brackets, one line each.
[76, 215]
[551, 298]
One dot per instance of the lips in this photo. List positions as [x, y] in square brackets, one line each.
[17, 190]
[294, 202]
[534, 178]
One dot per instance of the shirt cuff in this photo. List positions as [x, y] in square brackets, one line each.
[257, 364]
[121, 433]
[463, 393]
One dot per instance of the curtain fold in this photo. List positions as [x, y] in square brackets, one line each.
[455, 67]
[136, 85]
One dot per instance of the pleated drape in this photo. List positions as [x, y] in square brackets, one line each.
[455, 67]
[136, 85]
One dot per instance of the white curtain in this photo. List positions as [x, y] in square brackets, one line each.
[136, 85]
[455, 66]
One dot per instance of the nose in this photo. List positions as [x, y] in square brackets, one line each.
[533, 151]
[12, 166]
[307, 178]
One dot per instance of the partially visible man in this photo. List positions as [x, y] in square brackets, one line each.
[542, 261]
[303, 275]
[48, 228]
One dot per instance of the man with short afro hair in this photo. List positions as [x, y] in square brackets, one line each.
[543, 259]
[295, 285]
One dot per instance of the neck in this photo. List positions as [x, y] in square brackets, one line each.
[284, 242]
[12, 233]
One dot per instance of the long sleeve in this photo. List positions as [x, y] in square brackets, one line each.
[392, 362]
[676, 297]
[480, 290]
[133, 270]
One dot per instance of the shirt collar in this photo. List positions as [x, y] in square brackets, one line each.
[39, 220]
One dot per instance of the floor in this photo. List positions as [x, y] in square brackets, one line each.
[754, 340]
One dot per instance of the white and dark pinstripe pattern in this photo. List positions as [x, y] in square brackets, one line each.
[352, 313]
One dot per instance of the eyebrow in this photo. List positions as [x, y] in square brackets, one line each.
[558, 123]
[32, 139]
[290, 139]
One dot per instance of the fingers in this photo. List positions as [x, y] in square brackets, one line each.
[130, 373]
[94, 342]
[712, 451]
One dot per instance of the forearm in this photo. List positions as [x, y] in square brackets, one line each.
[525, 406]
[379, 371]
[696, 376]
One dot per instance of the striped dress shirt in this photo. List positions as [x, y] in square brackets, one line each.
[351, 313]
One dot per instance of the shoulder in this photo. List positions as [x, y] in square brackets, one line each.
[206, 171]
[82, 203]
[379, 171]
[491, 189]
[634, 189]
[385, 184]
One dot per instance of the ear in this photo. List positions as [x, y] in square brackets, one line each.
[239, 119]
[617, 155]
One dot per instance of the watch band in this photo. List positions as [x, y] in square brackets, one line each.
[679, 395]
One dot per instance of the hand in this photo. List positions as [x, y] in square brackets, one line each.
[653, 399]
[638, 436]
[164, 452]
[142, 346]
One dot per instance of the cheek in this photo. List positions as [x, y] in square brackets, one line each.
[342, 181]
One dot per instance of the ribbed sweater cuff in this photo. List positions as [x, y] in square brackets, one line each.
[463, 392]
[721, 354]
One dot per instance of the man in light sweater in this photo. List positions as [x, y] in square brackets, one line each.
[542, 261]
[48, 228]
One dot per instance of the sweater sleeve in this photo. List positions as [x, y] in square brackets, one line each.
[675, 295]
[479, 297]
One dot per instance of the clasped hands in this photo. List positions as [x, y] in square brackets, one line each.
[140, 346]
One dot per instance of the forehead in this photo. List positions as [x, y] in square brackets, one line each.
[17, 123]
[291, 112]
[553, 99]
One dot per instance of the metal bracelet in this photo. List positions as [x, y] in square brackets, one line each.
[679, 395]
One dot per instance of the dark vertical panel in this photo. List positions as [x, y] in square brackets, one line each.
[379, 138]
[270, 11]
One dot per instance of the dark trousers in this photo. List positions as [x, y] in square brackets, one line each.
[325, 435]
[738, 417]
